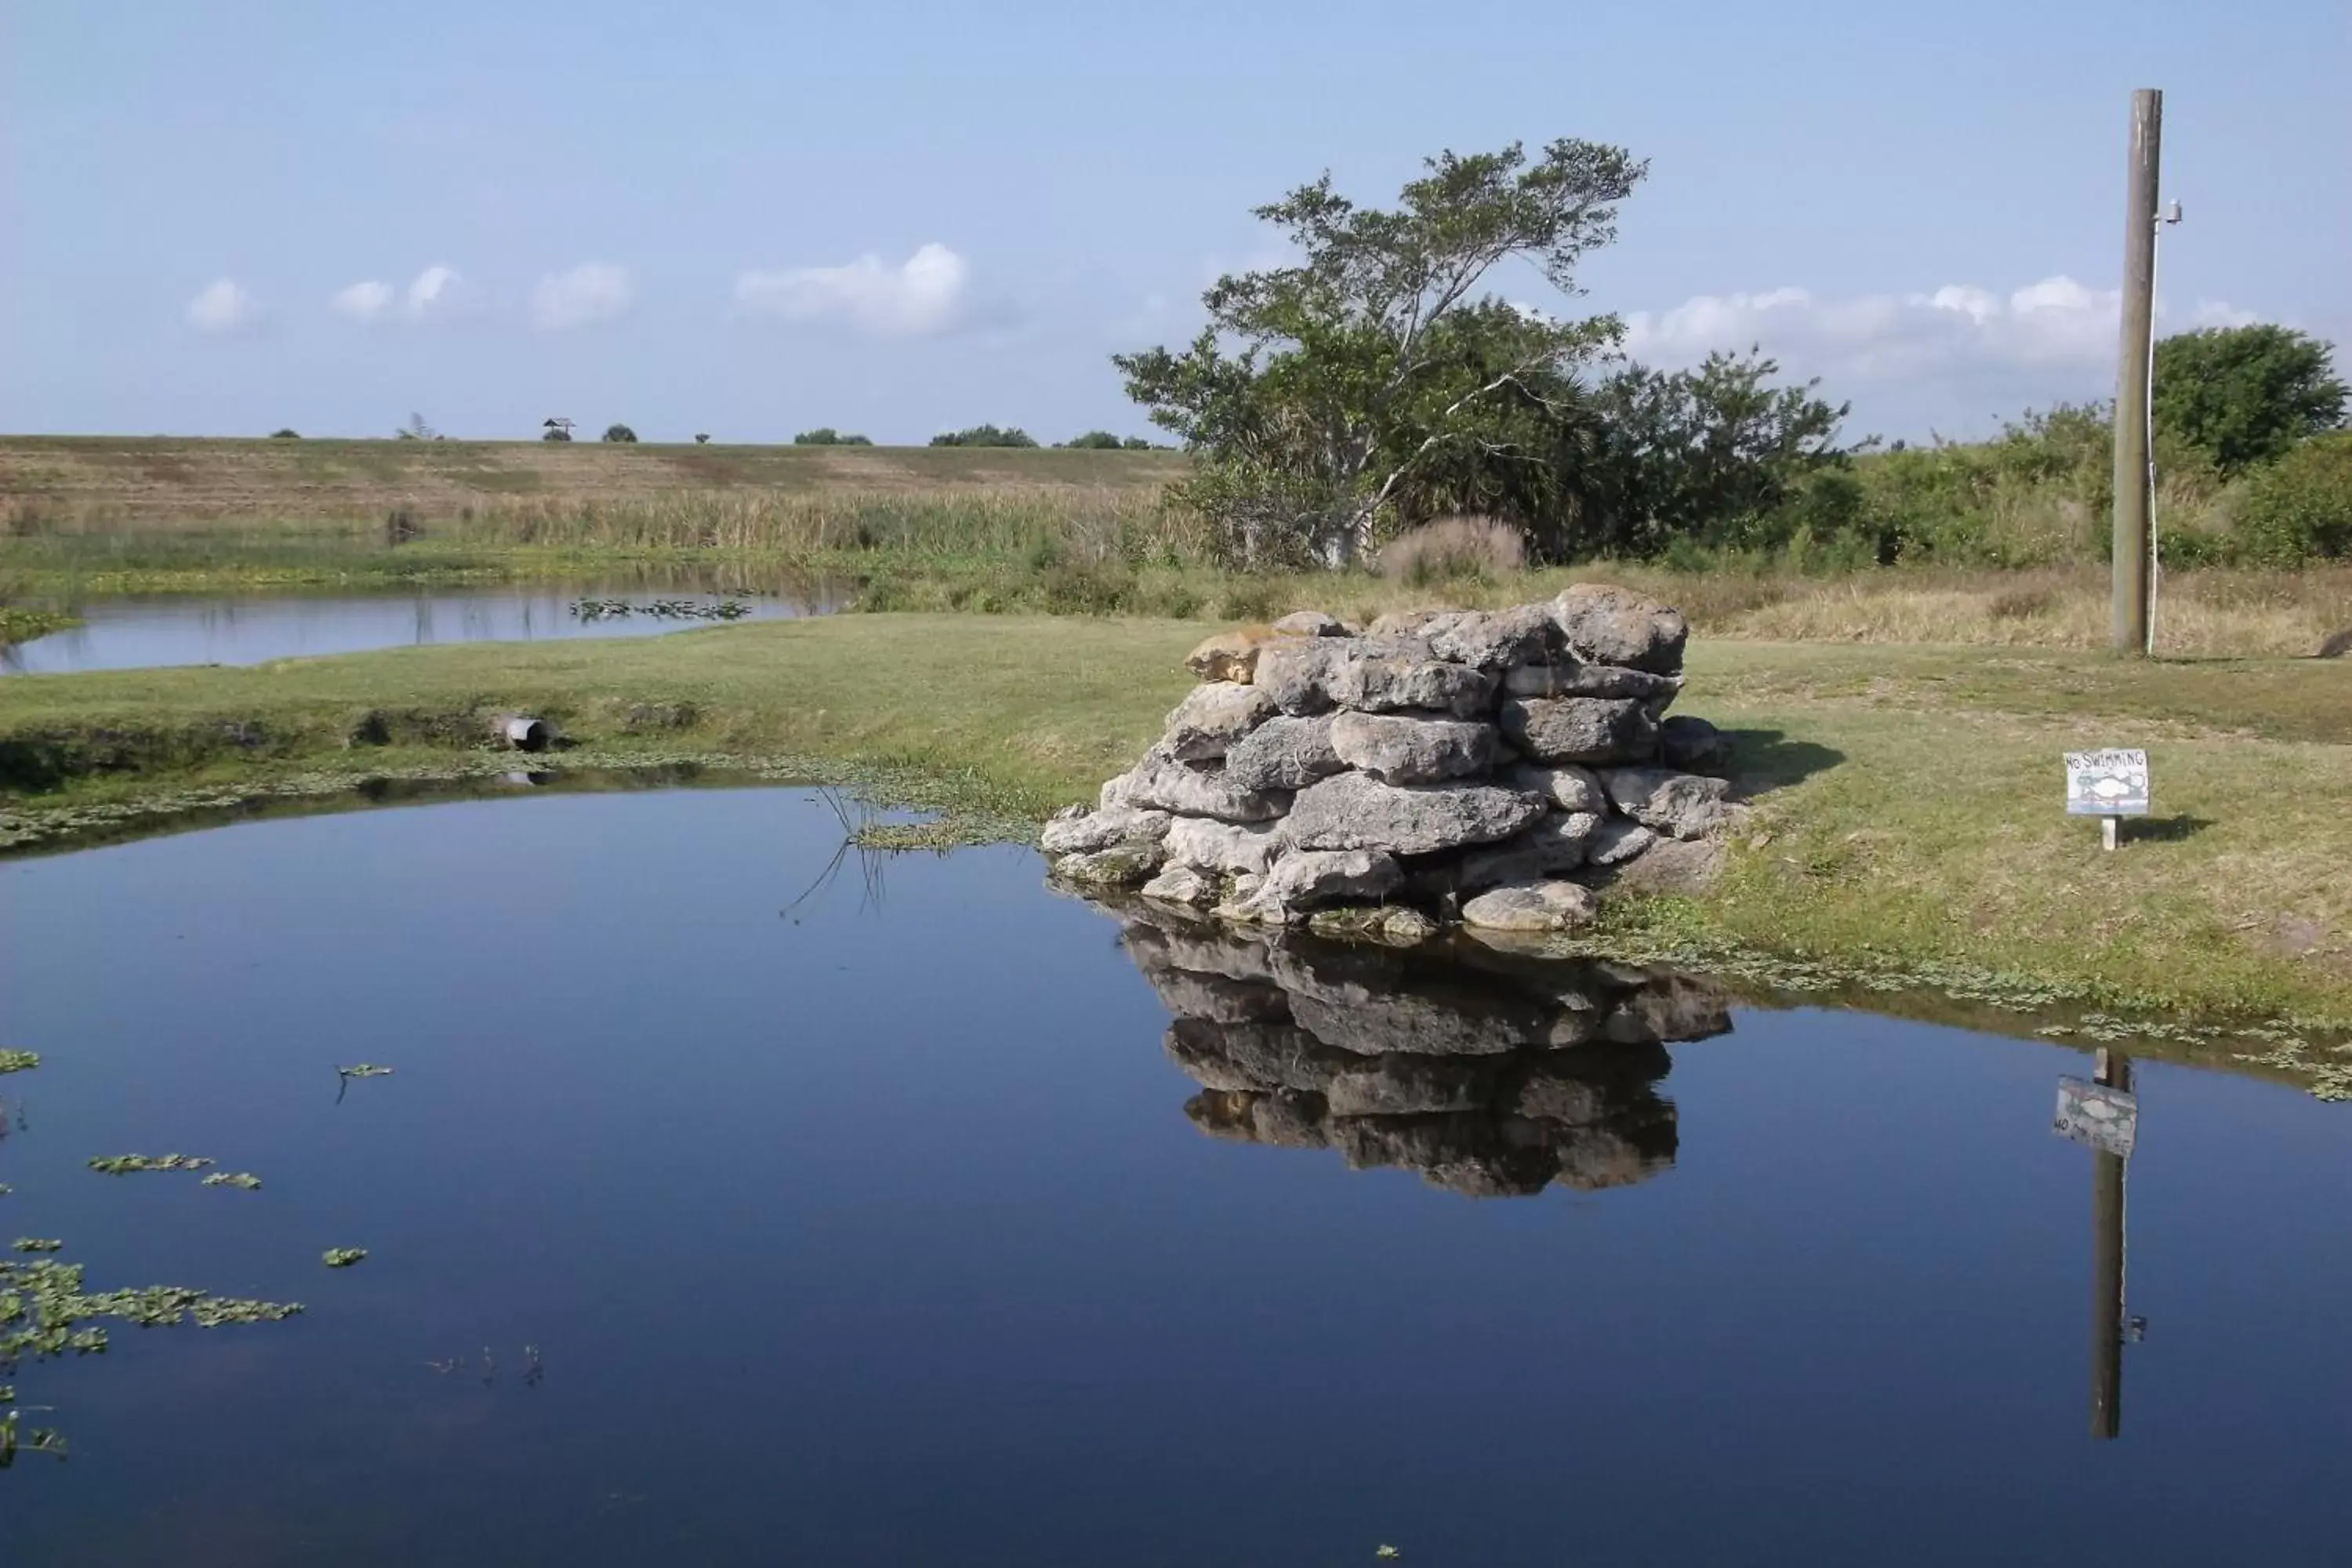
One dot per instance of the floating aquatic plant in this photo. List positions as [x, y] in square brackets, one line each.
[342, 1256]
[245, 1180]
[124, 1164]
[36, 1244]
[365, 1070]
[660, 609]
[19, 1061]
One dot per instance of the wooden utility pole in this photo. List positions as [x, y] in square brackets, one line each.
[2132, 565]
[2107, 1321]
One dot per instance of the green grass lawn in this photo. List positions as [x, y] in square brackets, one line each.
[1909, 798]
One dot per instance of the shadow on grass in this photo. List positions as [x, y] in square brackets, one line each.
[2165, 829]
[1764, 759]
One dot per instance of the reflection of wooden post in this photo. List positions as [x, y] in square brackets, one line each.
[2114, 1069]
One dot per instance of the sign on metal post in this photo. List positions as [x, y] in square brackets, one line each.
[2096, 1114]
[2110, 785]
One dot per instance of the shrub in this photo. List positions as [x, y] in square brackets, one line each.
[1453, 547]
[827, 436]
[2298, 508]
[287, 434]
[2243, 395]
[985, 436]
[554, 433]
[1095, 441]
[619, 433]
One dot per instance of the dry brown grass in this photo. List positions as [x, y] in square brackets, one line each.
[1450, 547]
[100, 483]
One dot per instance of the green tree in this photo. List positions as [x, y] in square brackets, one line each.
[1321, 393]
[827, 436]
[1716, 455]
[2243, 395]
[1094, 441]
[984, 436]
[287, 434]
[619, 433]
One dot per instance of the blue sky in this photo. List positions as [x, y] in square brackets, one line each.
[900, 218]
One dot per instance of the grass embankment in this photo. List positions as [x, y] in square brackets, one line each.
[1908, 797]
[23, 626]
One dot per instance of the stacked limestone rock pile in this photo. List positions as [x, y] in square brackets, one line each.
[1490, 766]
[1500, 1076]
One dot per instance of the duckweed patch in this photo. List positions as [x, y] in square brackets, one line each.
[342, 1256]
[19, 1061]
[365, 1070]
[36, 1244]
[245, 1181]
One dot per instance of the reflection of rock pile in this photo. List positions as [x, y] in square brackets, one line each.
[1487, 1073]
[1484, 765]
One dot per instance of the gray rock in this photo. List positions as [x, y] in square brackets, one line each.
[1399, 749]
[1296, 672]
[1686, 805]
[1574, 677]
[1282, 1119]
[1405, 623]
[1213, 716]
[1617, 842]
[1680, 866]
[1580, 728]
[1375, 1022]
[1302, 880]
[1353, 811]
[1120, 865]
[1374, 682]
[1217, 998]
[1694, 745]
[1283, 753]
[1161, 782]
[1411, 1086]
[1250, 1055]
[1607, 625]
[1564, 784]
[1532, 907]
[1074, 830]
[1181, 885]
[1225, 848]
[1552, 847]
[1310, 623]
[1396, 925]
[1197, 948]
[1491, 639]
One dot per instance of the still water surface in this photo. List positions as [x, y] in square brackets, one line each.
[933, 1222]
[137, 631]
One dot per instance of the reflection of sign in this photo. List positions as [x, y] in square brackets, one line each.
[2107, 784]
[2096, 1114]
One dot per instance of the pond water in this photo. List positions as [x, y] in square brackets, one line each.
[137, 631]
[920, 1215]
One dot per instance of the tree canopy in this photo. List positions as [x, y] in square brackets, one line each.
[2243, 395]
[984, 436]
[619, 433]
[827, 436]
[1323, 394]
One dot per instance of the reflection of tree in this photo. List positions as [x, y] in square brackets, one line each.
[1488, 1073]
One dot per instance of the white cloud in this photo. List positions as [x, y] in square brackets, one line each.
[224, 306]
[594, 291]
[436, 292]
[2056, 324]
[927, 294]
[362, 301]
[2220, 313]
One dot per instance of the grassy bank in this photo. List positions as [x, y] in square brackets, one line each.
[1908, 796]
[23, 625]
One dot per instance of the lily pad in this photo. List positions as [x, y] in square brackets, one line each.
[342, 1256]
[246, 1180]
[36, 1244]
[19, 1061]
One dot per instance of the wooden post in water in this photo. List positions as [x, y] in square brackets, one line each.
[2133, 571]
[2114, 1069]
